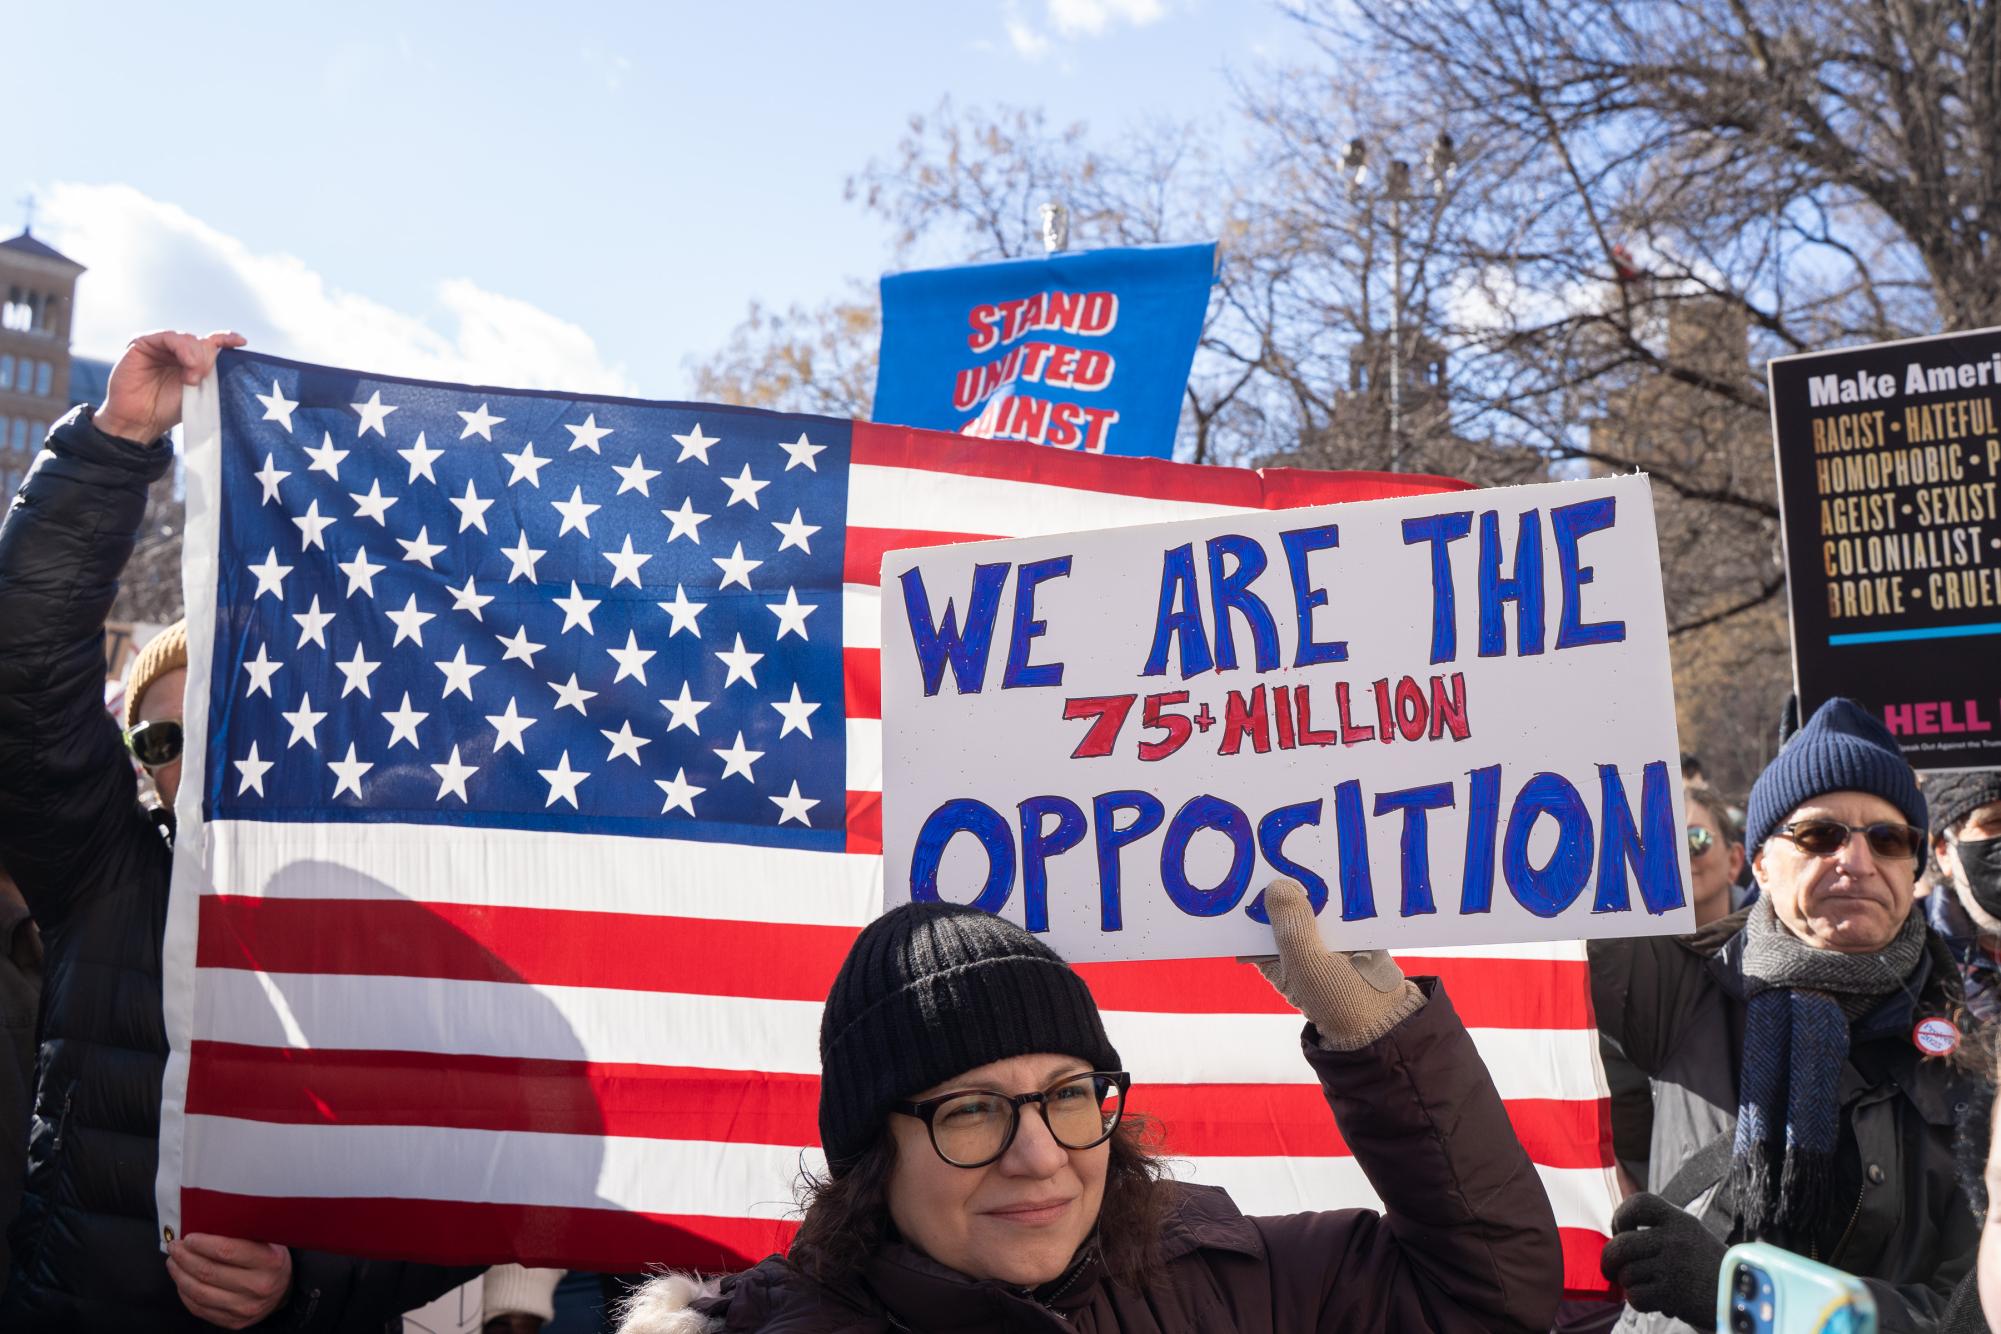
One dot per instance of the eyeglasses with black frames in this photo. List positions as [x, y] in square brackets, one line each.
[1823, 838]
[974, 1127]
[155, 743]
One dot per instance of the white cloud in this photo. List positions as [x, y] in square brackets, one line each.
[1078, 18]
[1494, 300]
[1072, 19]
[610, 68]
[1027, 42]
[154, 265]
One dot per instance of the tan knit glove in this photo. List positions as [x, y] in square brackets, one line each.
[1354, 998]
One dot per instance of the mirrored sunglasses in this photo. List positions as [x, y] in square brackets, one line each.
[155, 743]
[1700, 840]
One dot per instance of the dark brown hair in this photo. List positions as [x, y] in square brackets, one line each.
[847, 1216]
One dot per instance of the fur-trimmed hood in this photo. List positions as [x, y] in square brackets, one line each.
[665, 1305]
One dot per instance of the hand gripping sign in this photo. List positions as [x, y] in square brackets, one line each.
[1449, 716]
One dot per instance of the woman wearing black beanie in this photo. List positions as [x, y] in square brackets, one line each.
[981, 1174]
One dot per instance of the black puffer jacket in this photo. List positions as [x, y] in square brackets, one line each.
[94, 869]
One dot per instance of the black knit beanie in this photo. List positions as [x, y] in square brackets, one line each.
[1953, 797]
[929, 991]
[1842, 748]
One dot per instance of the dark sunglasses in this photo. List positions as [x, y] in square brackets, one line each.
[155, 743]
[1824, 838]
[1700, 840]
[974, 1127]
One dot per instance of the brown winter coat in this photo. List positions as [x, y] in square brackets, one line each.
[1466, 1240]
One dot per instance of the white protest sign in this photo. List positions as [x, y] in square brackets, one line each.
[1450, 716]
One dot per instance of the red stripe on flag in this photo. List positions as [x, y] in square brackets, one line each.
[549, 947]
[1293, 488]
[865, 822]
[1581, 1275]
[1293, 1121]
[1153, 479]
[442, 1232]
[291, 1086]
[295, 1086]
[861, 669]
[862, 561]
[1488, 993]
[555, 947]
[1558, 1132]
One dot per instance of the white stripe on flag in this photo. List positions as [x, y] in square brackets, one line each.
[1571, 950]
[1287, 1185]
[861, 616]
[1264, 1049]
[913, 498]
[669, 1176]
[521, 868]
[516, 868]
[201, 440]
[510, 1019]
[690, 1176]
[864, 754]
[737, 1032]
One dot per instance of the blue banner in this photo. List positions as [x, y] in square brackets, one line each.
[1087, 351]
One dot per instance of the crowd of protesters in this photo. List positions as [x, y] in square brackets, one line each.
[1766, 1074]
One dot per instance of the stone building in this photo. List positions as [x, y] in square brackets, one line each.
[40, 380]
[1420, 434]
[39, 287]
[1719, 547]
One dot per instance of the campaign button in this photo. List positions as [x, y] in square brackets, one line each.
[1936, 1036]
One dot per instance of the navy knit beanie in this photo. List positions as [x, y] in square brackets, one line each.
[1842, 748]
[932, 990]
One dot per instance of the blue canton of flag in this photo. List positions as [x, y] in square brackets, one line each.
[445, 604]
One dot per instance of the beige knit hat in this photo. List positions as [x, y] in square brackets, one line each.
[163, 653]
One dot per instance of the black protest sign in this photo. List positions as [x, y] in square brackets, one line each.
[1889, 463]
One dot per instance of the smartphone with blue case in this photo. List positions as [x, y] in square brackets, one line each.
[1766, 1290]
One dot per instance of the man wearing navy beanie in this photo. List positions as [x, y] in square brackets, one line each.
[1798, 1051]
[1842, 748]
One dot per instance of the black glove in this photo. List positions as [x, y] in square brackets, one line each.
[1665, 1259]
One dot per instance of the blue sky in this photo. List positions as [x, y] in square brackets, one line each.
[578, 194]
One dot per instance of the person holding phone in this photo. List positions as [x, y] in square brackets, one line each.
[1799, 1051]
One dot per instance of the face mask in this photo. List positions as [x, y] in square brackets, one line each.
[1980, 860]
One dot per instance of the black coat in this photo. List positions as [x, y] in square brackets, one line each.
[1904, 1224]
[94, 869]
[20, 997]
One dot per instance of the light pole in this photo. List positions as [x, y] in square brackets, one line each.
[1439, 162]
[1055, 227]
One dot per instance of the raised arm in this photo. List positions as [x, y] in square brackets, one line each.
[1466, 1239]
[64, 541]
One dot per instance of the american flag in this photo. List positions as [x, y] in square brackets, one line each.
[532, 799]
